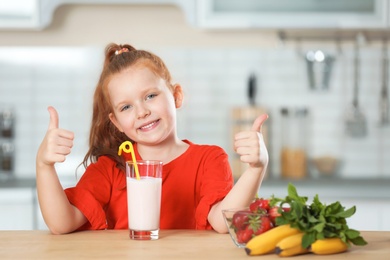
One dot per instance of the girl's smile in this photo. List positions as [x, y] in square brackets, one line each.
[149, 126]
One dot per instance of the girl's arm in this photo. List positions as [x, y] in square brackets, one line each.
[60, 216]
[251, 148]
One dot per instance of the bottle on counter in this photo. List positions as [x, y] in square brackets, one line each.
[294, 139]
[6, 123]
[7, 146]
[6, 157]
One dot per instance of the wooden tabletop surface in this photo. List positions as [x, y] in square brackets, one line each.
[173, 244]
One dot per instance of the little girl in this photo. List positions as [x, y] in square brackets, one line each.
[135, 100]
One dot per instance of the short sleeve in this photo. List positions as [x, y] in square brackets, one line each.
[216, 183]
[89, 206]
[92, 193]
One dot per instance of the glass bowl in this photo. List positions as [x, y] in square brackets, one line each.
[327, 165]
[242, 224]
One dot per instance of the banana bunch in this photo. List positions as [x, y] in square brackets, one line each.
[287, 241]
[328, 246]
[290, 246]
[266, 242]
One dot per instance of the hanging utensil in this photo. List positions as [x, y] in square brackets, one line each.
[384, 98]
[319, 68]
[356, 125]
[252, 88]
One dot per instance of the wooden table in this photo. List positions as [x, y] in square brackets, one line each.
[173, 244]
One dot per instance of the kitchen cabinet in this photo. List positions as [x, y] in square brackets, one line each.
[38, 14]
[17, 211]
[19, 207]
[386, 214]
[225, 14]
[370, 214]
[19, 14]
[282, 14]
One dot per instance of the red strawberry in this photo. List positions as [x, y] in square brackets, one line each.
[259, 224]
[243, 236]
[273, 214]
[240, 220]
[259, 204]
[264, 225]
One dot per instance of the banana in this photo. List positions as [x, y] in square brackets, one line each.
[266, 242]
[328, 246]
[291, 245]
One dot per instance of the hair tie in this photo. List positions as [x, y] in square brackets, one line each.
[117, 52]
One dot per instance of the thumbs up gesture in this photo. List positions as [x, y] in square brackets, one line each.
[57, 142]
[250, 144]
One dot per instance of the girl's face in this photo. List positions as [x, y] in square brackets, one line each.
[144, 106]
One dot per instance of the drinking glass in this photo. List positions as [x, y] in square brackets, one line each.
[144, 199]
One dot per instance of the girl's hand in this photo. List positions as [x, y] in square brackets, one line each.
[250, 145]
[56, 144]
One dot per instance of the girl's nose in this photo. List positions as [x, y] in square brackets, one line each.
[142, 111]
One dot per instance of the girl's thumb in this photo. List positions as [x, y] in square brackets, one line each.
[259, 122]
[53, 123]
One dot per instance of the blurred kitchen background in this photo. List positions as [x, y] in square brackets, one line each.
[318, 68]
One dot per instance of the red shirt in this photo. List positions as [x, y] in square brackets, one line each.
[192, 184]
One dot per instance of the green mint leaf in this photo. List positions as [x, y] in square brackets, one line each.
[344, 238]
[308, 239]
[335, 226]
[347, 213]
[293, 194]
[320, 236]
[351, 234]
[292, 191]
[330, 234]
[319, 227]
[334, 208]
[313, 219]
[359, 241]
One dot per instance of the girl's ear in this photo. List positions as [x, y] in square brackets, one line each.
[115, 122]
[178, 95]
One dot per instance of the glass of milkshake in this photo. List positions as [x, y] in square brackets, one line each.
[144, 199]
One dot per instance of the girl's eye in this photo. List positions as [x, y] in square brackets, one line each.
[125, 108]
[150, 96]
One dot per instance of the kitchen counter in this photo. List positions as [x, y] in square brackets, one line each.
[173, 244]
[17, 183]
[329, 188]
[341, 186]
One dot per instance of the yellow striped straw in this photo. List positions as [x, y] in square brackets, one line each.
[127, 147]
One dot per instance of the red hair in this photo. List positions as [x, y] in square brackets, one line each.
[104, 137]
